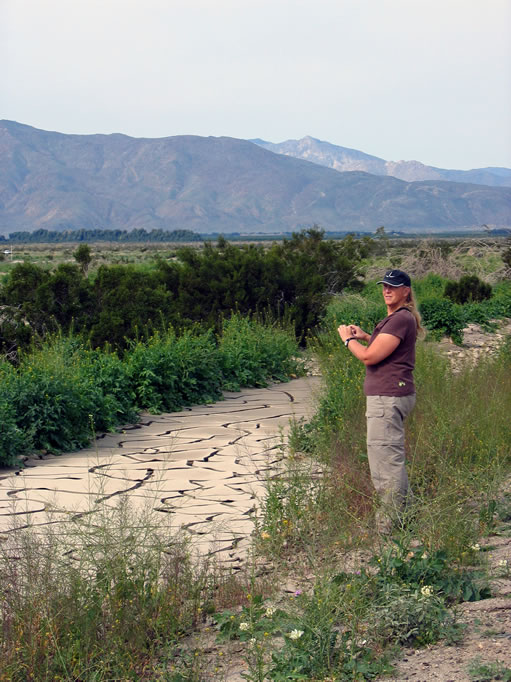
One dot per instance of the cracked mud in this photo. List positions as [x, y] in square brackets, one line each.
[205, 466]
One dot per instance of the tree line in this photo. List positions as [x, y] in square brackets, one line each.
[290, 280]
[98, 235]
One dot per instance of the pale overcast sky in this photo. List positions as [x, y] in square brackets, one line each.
[400, 79]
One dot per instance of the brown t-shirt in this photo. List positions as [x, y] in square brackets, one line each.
[393, 375]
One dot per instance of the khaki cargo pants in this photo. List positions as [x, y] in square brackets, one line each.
[386, 453]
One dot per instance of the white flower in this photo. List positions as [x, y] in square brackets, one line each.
[270, 611]
[295, 634]
[244, 626]
[424, 556]
[502, 563]
[475, 547]
[253, 641]
[427, 591]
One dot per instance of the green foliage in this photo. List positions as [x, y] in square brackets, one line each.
[129, 594]
[417, 568]
[127, 301]
[291, 281]
[481, 671]
[252, 353]
[431, 286]
[83, 257]
[354, 309]
[167, 372]
[13, 441]
[442, 318]
[64, 391]
[467, 290]
[346, 625]
[97, 235]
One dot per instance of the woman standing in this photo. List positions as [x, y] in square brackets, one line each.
[389, 358]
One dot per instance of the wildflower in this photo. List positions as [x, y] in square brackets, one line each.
[295, 634]
[475, 547]
[425, 555]
[503, 563]
[253, 641]
[265, 535]
[427, 591]
[298, 593]
[270, 611]
[244, 626]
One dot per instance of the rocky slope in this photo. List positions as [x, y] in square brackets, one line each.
[344, 159]
[58, 182]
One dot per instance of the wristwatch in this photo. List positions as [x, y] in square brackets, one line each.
[352, 338]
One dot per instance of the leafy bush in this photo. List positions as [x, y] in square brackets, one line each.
[62, 392]
[467, 290]
[292, 280]
[168, 371]
[252, 353]
[13, 441]
[442, 318]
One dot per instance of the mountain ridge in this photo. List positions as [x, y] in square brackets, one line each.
[58, 181]
[345, 159]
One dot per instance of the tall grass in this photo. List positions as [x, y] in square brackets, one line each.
[100, 597]
[457, 438]
[370, 594]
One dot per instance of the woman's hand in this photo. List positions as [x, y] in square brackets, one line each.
[345, 331]
[358, 333]
[351, 331]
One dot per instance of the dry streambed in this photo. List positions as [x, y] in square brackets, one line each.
[204, 466]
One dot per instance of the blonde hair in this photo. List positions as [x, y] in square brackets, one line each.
[411, 305]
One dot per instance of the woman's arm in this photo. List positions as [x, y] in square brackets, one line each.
[381, 347]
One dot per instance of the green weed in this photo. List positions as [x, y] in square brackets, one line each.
[480, 671]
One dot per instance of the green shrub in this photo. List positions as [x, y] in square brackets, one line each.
[431, 286]
[13, 441]
[467, 290]
[252, 353]
[168, 371]
[62, 392]
[442, 318]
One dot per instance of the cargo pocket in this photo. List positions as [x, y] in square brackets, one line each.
[375, 415]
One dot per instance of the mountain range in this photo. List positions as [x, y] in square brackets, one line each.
[344, 159]
[57, 181]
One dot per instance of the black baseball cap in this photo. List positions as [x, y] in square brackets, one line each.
[396, 278]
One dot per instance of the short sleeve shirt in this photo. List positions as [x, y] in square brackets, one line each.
[393, 376]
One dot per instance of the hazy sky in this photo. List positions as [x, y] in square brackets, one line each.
[401, 79]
